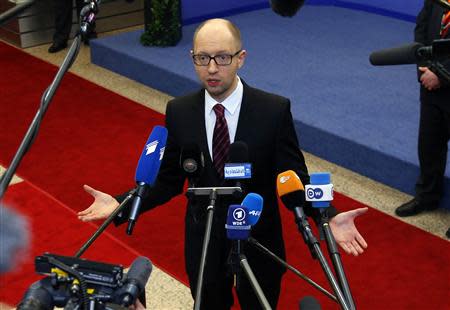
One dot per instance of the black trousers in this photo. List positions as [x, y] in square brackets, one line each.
[218, 277]
[63, 18]
[434, 134]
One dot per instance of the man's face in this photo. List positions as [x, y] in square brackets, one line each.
[213, 40]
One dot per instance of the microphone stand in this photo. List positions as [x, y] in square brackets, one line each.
[313, 243]
[251, 277]
[14, 11]
[335, 256]
[106, 223]
[212, 192]
[266, 251]
[34, 126]
[87, 17]
[238, 259]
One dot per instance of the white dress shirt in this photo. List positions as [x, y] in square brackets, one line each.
[232, 106]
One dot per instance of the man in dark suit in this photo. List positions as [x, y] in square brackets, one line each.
[433, 23]
[264, 122]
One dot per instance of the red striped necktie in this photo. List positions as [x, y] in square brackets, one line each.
[221, 139]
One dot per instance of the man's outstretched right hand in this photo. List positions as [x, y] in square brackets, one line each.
[101, 208]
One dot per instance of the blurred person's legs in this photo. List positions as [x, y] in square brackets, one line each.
[63, 23]
[434, 134]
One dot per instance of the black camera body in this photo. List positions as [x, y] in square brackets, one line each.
[75, 283]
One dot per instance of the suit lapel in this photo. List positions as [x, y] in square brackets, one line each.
[198, 120]
[244, 124]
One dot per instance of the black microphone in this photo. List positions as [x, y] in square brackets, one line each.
[192, 162]
[400, 55]
[286, 8]
[238, 152]
[309, 303]
[411, 53]
[238, 167]
[135, 282]
[442, 3]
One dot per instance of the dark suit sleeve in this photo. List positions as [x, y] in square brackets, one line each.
[290, 157]
[422, 23]
[170, 180]
[421, 30]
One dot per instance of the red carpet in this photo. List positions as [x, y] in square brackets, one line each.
[54, 229]
[91, 135]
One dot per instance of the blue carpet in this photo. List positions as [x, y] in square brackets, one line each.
[346, 111]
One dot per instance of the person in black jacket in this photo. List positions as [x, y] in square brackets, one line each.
[433, 23]
[264, 122]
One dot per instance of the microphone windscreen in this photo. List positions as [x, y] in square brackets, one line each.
[254, 204]
[150, 160]
[238, 152]
[401, 55]
[286, 8]
[288, 182]
[237, 225]
[290, 189]
[139, 272]
[191, 160]
[319, 178]
[309, 303]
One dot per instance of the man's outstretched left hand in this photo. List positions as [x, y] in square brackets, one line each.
[345, 232]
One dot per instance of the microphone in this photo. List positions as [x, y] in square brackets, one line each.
[147, 170]
[411, 53]
[192, 162]
[292, 193]
[400, 55]
[286, 8]
[254, 203]
[238, 166]
[442, 3]
[309, 303]
[291, 190]
[88, 15]
[135, 282]
[237, 226]
[320, 191]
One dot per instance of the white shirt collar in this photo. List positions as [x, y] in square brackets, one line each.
[230, 103]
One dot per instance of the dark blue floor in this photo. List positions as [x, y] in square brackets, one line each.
[346, 111]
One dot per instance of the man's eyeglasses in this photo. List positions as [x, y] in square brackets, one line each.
[220, 60]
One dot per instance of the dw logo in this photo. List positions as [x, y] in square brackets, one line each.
[314, 193]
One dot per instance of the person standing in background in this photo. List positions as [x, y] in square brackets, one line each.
[63, 23]
[433, 23]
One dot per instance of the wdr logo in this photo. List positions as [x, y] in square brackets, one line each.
[239, 214]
